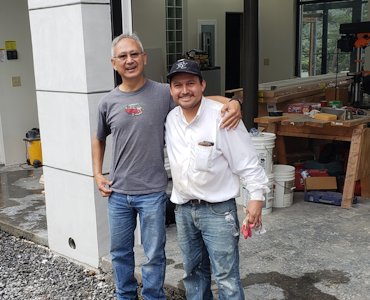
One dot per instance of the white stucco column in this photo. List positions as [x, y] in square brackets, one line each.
[71, 50]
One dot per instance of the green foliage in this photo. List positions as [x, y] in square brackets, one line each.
[312, 34]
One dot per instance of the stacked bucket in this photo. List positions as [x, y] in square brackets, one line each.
[264, 143]
[280, 177]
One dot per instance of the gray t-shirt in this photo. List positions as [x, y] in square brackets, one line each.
[136, 121]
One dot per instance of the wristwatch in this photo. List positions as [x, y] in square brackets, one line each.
[236, 99]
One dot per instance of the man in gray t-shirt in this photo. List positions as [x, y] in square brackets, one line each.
[134, 113]
[136, 121]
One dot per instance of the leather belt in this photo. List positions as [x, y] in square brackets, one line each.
[202, 202]
[197, 201]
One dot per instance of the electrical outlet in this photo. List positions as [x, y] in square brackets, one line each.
[16, 81]
[266, 61]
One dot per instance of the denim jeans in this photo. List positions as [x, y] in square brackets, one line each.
[208, 235]
[123, 210]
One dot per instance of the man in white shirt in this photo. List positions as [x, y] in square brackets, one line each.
[207, 164]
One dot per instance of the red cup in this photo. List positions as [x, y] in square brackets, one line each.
[324, 103]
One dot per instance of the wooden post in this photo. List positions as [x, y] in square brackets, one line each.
[352, 167]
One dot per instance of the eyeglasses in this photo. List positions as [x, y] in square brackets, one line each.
[124, 56]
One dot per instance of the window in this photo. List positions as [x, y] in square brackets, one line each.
[318, 33]
[174, 31]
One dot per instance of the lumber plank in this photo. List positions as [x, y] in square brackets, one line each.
[290, 96]
[352, 167]
[349, 123]
[314, 136]
[268, 119]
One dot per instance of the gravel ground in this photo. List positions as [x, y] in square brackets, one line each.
[30, 271]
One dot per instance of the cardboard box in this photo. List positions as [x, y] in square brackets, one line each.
[321, 183]
[299, 181]
[322, 190]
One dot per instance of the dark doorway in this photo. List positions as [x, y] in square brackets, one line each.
[233, 42]
[116, 20]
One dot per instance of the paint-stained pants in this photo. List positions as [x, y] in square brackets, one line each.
[208, 236]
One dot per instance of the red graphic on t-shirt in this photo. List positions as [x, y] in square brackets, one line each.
[134, 109]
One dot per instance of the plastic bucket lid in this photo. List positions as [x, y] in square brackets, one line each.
[284, 172]
[264, 139]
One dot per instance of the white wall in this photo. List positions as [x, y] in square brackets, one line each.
[276, 34]
[149, 22]
[153, 36]
[210, 10]
[18, 109]
[276, 39]
[2, 149]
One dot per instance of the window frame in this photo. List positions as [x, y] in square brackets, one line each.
[175, 32]
[325, 6]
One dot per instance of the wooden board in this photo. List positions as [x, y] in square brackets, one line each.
[352, 168]
[268, 119]
[364, 171]
[304, 120]
[292, 119]
[299, 90]
[354, 122]
[296, 92]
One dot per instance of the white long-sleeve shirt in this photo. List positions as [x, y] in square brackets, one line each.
[211, 173]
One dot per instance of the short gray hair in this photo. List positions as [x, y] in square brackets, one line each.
[132, 36]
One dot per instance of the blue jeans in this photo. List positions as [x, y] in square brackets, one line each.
[123, 210]
[208, 235]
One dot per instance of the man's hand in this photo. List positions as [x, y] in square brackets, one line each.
[232, 114]
[254, 212]
[103, 185]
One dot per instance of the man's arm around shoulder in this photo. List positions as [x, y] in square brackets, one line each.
[231, 111]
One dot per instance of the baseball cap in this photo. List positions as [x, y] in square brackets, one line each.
[185, 66]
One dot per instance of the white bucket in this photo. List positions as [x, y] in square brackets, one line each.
[284, 185]
[269, 197]
[264, 144]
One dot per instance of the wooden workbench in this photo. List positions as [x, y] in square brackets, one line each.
[278, 95]
[355, 131]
